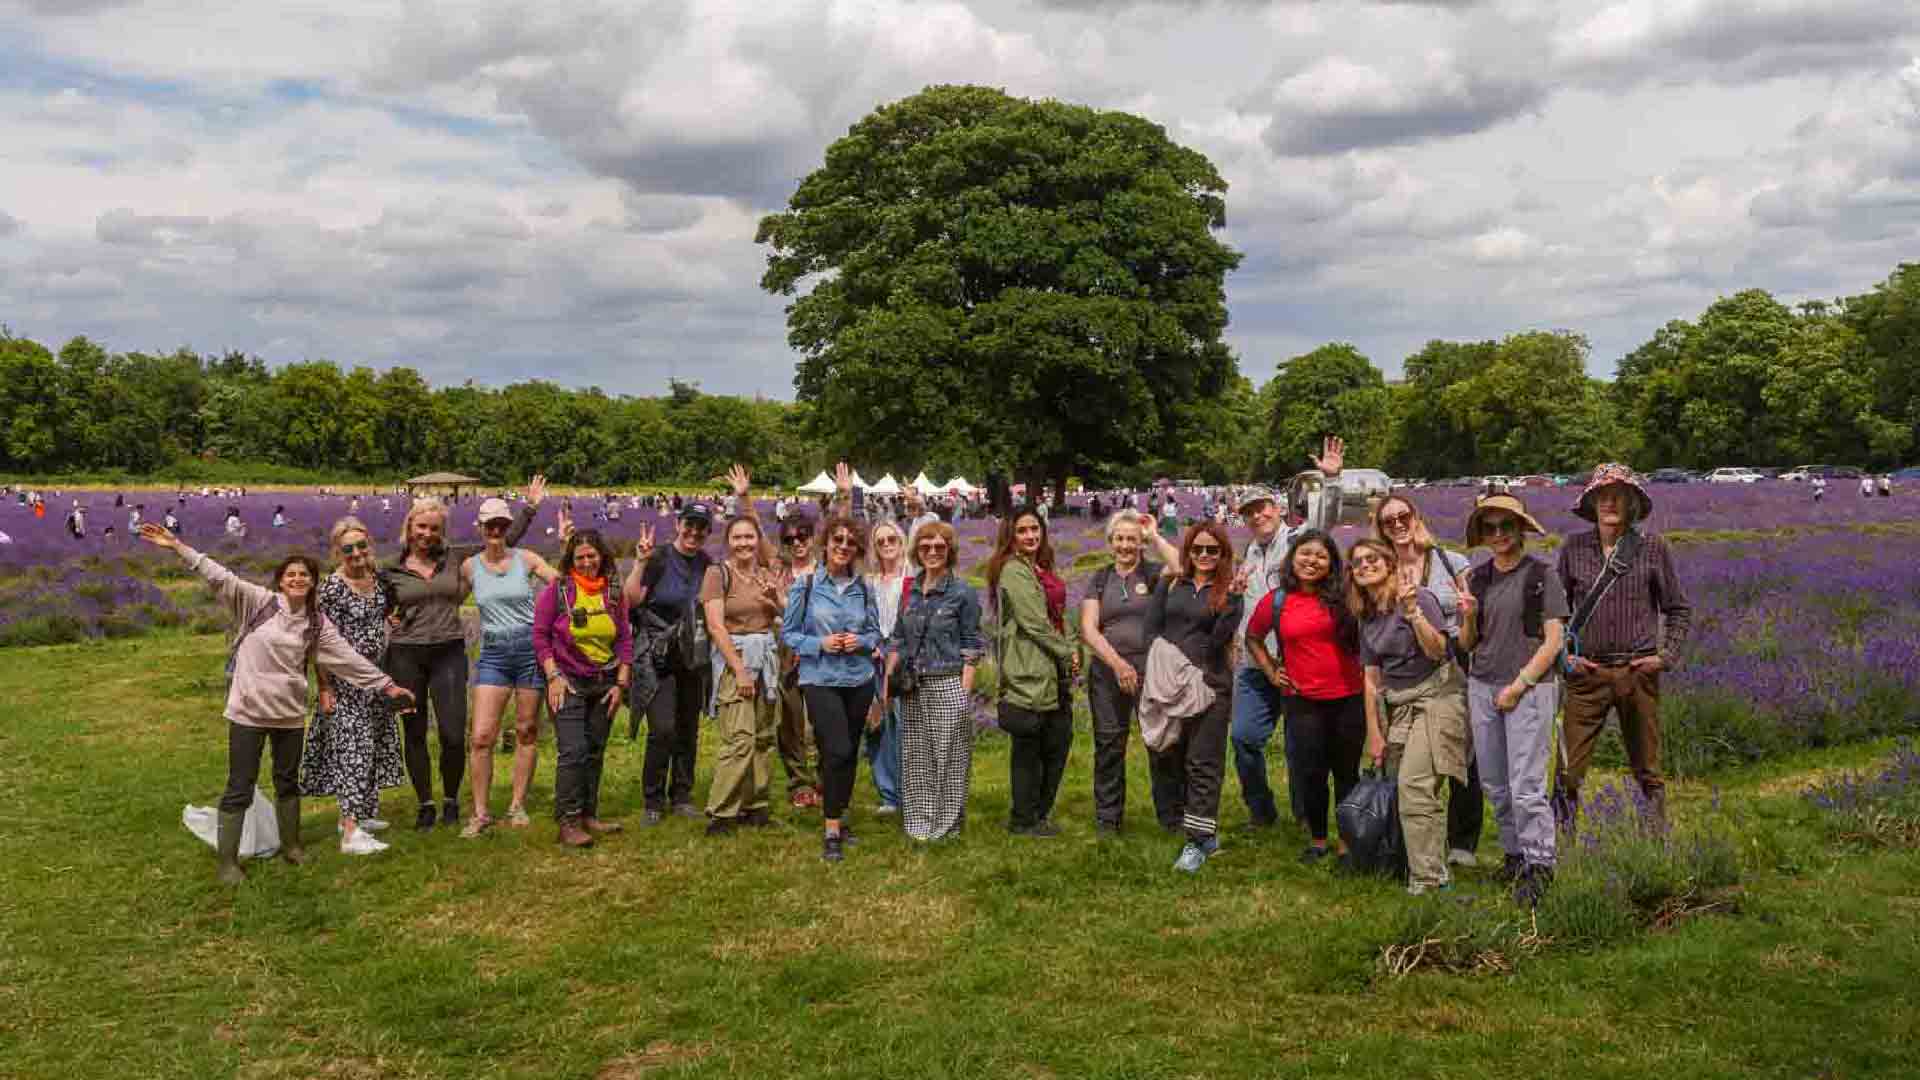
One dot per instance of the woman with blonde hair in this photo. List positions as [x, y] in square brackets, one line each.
[1415, 703]
[353, 745]
[1421, 562]
[935, 649]
[428, 654]
[888, 577]
[1113, 624]
[741, 599]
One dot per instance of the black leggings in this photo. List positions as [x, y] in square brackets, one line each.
[244, 747]
[1038, 759]
[436, 674]
[673, 740]
[1328, 737]
[838, 714]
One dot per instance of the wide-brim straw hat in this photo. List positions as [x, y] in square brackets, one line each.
[1607, 475]
[1511, 504]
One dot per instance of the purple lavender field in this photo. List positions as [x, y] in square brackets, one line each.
[1807, 625]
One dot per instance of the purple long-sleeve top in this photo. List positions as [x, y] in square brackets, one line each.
[553, 631]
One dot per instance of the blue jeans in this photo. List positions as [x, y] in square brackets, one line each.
[883, 755]
[1256, 711]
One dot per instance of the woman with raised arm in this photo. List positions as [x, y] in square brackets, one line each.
[1423, 563]
[937, 645]
[584, 643]
[353, 745]
[428, 655]
[742, 600]
[1035, 669]
[279, 633]
[1197, 612]
[832, 624]
[501, 579]
[1113, 624]
[1416, 708]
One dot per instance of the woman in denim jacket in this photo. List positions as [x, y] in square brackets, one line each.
[937, 640]
[832, 624]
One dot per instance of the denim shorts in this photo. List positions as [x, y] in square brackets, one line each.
[508, 660]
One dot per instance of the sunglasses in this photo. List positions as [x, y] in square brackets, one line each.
[1206, 549]
[1502, 525]
[495, 523]
[1396, 521]
[844, 542]
[797, 538]
[933, 545]
[356, 548]
[1369, 560]
[888, 541]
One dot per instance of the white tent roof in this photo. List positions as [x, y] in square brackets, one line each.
[959, 484]
[923, 483]
[887, 486]
[861, 481]
[821, 484]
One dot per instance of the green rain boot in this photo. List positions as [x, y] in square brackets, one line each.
[228, 845]
[287, 813]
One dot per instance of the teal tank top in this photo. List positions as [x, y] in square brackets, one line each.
[506, 597]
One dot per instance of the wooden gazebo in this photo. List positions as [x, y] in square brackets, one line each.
[441, 483]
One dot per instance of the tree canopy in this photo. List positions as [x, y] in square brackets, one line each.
[1034, 281]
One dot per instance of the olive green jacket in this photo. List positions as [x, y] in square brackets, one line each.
[1027, 649]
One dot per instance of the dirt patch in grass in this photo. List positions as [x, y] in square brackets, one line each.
[657, 1056]
[892, 925]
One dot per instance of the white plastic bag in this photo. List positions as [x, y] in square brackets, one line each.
[259, 837]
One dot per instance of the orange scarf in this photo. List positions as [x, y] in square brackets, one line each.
[590, 586]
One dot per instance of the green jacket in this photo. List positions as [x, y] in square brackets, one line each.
[1028, 651]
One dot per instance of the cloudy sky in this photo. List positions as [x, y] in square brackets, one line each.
[499, 190]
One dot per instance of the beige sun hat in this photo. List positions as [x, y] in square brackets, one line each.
[1511, 504]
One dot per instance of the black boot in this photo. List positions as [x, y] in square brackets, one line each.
[228, 846]
[286, 812]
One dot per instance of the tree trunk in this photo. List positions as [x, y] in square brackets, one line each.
[1035, 477]
[999, 493]
[1060, 471]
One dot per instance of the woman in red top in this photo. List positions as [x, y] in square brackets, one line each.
[1318, 670]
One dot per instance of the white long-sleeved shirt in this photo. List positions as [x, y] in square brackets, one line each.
[1264, 561]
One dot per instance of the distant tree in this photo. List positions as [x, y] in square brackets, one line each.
[1036, 280]
[1334, 389]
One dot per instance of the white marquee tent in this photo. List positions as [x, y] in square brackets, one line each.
[821, 484]
[887, 486]
[959, 486]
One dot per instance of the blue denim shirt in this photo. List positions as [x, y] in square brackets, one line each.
[832, 608]
[938, 631]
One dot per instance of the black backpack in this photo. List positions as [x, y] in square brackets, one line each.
[1533, 609]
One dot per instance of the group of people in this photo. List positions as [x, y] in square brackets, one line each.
[855, 640]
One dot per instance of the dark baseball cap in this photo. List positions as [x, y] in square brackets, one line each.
[697, 511]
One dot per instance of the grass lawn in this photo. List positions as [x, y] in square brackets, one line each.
[661, 953]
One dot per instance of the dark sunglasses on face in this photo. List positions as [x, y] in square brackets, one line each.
[844, 542]
[1502, 525]
[887, 541]
[1396, 521]
[1206, 549]
[797, 538]
[933, 545]
[356, 548]
[494, 523]
[1369, 560]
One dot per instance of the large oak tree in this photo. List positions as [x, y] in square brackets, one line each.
[1023, 287]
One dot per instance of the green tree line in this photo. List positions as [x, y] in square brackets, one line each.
[1750, 381]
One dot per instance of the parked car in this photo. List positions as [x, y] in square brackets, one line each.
[1910, 474]
[1358, 489]
[1670, 476]
[1733, 474]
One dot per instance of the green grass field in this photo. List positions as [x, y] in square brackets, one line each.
[662, 953]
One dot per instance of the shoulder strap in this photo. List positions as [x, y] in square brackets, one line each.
[1616, 568]
[1480, 580]
[1533, 608]
[1098, 585]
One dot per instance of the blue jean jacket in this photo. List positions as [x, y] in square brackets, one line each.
[938, 632]
[818, 607]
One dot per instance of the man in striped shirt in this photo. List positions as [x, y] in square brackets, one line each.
[1634, 633]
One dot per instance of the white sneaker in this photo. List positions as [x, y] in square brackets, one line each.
[1462, 857]
[361, 843]
[372, 824]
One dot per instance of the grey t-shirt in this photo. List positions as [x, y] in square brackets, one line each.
[1503, 647]
[1387, 642]
[1123, 611]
